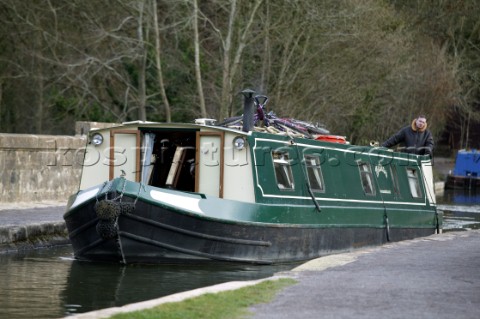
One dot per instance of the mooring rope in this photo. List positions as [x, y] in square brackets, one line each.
[385, 215]
[119, 243]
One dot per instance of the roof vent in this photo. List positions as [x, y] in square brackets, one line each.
[205, 121]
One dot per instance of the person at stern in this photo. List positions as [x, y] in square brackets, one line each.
[415, 138]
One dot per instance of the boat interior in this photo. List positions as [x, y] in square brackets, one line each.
[169, 161]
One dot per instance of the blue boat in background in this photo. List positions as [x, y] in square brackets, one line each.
[466, 173]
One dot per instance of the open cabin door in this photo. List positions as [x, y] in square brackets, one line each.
[209, 159]
[125, 154]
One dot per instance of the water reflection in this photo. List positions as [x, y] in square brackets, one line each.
[49, 283]
[92, 286]
[461, 210]
[460, 197]
[31, 283]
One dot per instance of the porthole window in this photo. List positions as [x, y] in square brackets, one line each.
[283, 170]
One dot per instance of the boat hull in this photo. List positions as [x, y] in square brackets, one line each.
[157, 233]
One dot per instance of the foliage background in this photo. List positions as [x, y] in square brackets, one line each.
[364, 68]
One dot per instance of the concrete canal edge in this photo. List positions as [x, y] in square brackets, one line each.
[318, 264]
[31, 225]
[178, 297]
[25, 237]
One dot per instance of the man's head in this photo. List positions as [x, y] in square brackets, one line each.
[421, 122]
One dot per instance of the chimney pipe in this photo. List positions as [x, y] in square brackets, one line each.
[248, 106]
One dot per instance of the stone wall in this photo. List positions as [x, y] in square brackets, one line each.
[38, 168]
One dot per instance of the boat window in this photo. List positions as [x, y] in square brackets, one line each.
[396, 188]
[413, 182]
[283, 170]
[314, 172]
[367, 178]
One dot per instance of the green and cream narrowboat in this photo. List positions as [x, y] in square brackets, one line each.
[164, 192]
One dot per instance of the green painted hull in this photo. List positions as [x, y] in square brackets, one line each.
[205, 228]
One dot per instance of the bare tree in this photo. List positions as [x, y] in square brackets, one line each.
[142, 61]
[233, 44]
[455, 28]
[347, 64]
[158, 62]
[198, 73]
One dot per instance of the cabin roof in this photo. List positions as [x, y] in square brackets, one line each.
[153, 125]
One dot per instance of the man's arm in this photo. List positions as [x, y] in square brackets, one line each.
[395, 139]
[429, 144]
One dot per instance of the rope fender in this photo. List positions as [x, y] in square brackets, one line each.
[108, 212]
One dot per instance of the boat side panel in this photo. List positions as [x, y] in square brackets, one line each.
[153, 233]
[210, 163]
[237, 178]
[344, 213]
[96, 163]
[125, 154]
[342, 176]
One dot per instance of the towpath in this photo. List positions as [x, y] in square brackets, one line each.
[433, 277]
[32, 225]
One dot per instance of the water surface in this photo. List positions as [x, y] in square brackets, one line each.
[49, 283]
[461, 210]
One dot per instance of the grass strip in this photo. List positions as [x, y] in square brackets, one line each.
[227, 304]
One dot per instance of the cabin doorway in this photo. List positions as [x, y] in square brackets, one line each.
[186, 160]
[168, 159]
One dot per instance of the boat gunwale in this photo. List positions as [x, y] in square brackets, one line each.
[150, 201]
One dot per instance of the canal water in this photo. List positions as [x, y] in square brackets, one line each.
[461, 210]
[49, 283]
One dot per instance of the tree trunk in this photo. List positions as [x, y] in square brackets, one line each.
[38, 75]
[227, 47]
[230, 69]
[198, 74]
[266, 62]
[158, 62]
[142, 114]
